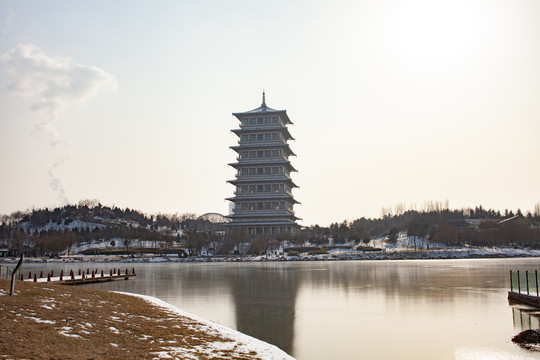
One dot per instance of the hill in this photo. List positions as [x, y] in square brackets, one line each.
[91, 228]
[90, 225]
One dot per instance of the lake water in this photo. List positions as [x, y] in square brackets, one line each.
[426, 309]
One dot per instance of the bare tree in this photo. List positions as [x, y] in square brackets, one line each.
[195, 241]
[237, 236]
[69, 239]
[399, 209]
[260, 244]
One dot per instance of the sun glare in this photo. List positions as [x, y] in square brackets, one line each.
[433, 36]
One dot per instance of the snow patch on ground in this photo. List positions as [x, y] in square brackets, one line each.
[239, 341]
[66, 331]
[40, 321]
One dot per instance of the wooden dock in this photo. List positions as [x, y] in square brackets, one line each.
[530, 300]
[83, 277]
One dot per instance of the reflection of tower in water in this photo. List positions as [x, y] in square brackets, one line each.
[264, 298]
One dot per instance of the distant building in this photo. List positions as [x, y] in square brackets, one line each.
[263, 200]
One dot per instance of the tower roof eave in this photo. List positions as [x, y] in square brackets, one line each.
[258, 146]
[266, 223]
[262, 179]
[284, 129]
[288, 164]
[262, 197]
[264, 110]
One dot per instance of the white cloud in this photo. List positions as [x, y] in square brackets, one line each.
[52, 83]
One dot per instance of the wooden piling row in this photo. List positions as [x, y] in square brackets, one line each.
[84, 276]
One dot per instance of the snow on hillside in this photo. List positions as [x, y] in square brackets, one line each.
[79, 224]
[106, 244]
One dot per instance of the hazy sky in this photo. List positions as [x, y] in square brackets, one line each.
[130, 102]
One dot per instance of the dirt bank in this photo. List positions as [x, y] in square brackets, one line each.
[45, 321]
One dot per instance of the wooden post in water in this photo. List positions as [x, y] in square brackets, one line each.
[536, 276]
[511, 285]
[519, 283]
[527, 280]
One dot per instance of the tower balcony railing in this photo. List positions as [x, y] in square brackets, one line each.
[262, 142]
[287, 175]
[258, 193]
[269, 159]
[278, 125]
[283, 212]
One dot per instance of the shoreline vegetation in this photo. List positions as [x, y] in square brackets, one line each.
[307, 255]
[90, 228]
[46, 320]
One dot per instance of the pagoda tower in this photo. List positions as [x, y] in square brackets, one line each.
[263, 200]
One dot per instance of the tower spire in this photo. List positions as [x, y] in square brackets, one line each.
[264, 100]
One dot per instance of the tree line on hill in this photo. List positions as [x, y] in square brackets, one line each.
[53, 231]
[475, 227]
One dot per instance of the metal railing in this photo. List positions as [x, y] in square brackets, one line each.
[525, 282]
[6, 272]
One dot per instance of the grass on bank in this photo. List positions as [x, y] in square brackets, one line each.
[44, 321]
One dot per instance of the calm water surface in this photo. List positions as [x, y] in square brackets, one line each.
[429, 309]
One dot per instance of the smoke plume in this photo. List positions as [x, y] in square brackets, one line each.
[56, 184]
[52, 84]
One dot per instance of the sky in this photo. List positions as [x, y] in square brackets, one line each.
[393, 102]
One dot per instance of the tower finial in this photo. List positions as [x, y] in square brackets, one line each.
[264, 100]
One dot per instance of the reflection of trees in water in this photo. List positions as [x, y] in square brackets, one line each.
[264, 298]
[435, 281]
